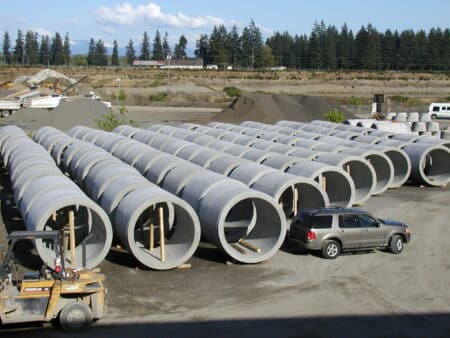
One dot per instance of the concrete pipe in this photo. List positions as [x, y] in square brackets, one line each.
[360, 170]
[390, 127]
[45, 197]
[367, 139]
[404, 137]
[136, 206]
[382, 165]
[433, 140]
[430, 164]
[246, 224]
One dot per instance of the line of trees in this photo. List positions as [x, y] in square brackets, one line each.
[328, 48]
[325, 47]
[28, 50]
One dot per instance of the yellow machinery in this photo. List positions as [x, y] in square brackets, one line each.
[73, 298]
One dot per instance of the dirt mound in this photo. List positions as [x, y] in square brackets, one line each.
[82, 111]
[270, 108]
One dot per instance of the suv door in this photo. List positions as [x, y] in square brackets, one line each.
[372, 234]
[349, 231]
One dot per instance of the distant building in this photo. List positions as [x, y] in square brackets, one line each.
[149, 63]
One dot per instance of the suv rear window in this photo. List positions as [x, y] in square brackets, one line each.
[321, 222]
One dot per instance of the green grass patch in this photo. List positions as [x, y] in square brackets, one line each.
[334, 116]
[232, 91]
[158, 97]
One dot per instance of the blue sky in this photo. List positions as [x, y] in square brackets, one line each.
[123, 20]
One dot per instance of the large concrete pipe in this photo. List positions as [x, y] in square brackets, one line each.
[160, 230]
[364, 186]
[430, 163]
[46, 199]
[360, 170]
[284, 188]
[246, 224]
[318, 172]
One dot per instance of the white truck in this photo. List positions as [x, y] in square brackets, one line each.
[439, 110]
[8, 107]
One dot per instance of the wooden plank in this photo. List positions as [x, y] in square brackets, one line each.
[296, 201]
[162, 239]
[151, 230]
[72, 236]
[249, 246]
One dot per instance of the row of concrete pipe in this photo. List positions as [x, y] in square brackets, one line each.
[159, 229]
[429, 156]
[422, 160]
[246, 224]
[294, 182]
[49, 200]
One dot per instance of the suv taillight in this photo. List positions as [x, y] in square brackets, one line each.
[311, 235]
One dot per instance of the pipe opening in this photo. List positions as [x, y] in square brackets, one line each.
[90, 237]
[337, 187]
[402, 167]
[436, 166]
[239, 221]
[362, 177]
[383, 172]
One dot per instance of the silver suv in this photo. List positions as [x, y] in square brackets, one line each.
[335, 230]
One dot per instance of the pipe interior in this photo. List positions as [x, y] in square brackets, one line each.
[179, 235]
[90, 233]
[337, 187]
[401, 167]
[363, 179]
[436, 166]
[383, 171]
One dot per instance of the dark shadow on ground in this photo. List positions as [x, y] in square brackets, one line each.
[368, 326]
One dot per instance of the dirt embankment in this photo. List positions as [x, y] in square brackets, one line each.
[270, 108]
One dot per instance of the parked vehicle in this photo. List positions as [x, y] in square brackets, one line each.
[439, 110]
[335, 230]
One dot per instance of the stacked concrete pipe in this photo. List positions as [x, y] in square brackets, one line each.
[362, 172]
[246, 224]
[141, 212]
[235, 161]
[429, 157]
[339, 186]
[45, 197]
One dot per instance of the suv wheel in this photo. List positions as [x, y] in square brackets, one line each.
[331, 250]
[396, 244]
[433, 116]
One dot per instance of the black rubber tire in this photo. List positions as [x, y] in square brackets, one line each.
[75, 316]
[433, 116]
[331, 249]
[396, 244]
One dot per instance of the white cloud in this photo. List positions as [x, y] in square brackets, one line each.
[265, 30]
[127, 14]
[42, 31]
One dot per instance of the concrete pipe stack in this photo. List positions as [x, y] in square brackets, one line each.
[258, 169]
[359, 169]
[48, 200]
[248, 225]
[159, 229]
[337, 184]
[429, 157]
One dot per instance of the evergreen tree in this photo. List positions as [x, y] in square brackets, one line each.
[91, 53]
[373, 48]
[421, 49]
[235, 47]
[180, 48]
[202, 49]
[57, 56]
[44, 51]
[31, 48]
[115, 54]
[66, 49]
[18, 51]
[406, 50]
[388, 50]
[252, 46]
[166, 47]
[145, 48]
[360, 60]
[331, 38]
[157, 53]
[101, 55]
[314, 48]
[130, 53]
[7, 48]
[344, 48]
[218, 46]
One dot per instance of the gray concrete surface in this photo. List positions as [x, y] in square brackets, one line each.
[372, 294]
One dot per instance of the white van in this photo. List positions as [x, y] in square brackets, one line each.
[439, 110]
